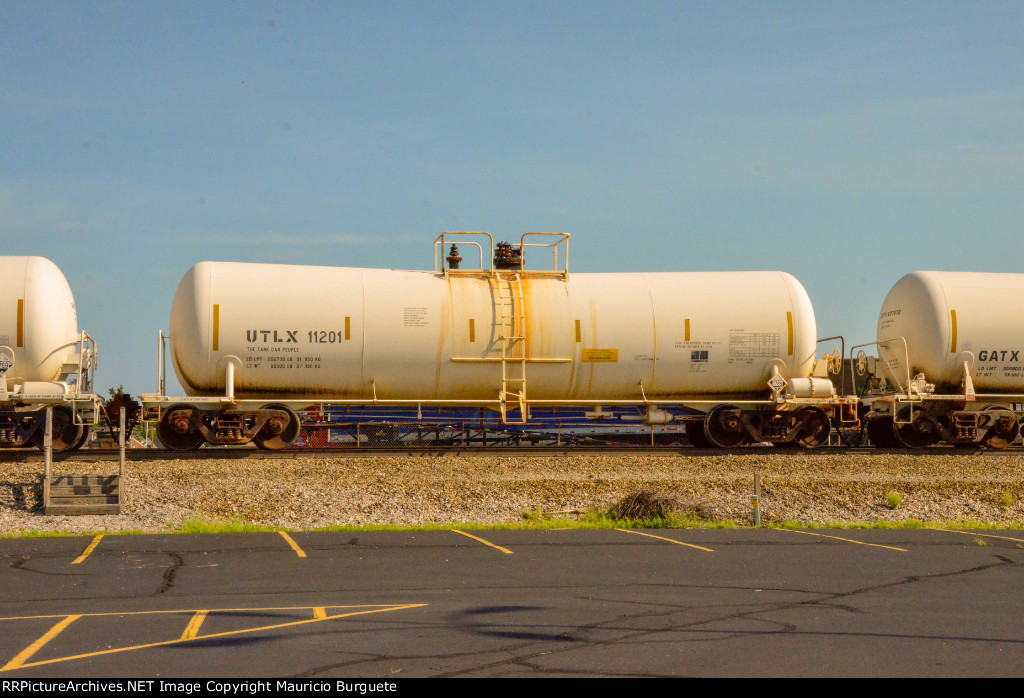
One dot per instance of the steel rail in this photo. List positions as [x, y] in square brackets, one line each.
[243, 453]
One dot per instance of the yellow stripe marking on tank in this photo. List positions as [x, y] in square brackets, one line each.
[348, 328]
[216, 327]
[789, 323]
[579, 333]
[952, 321]
[472, 330]
[21, 322]
[686, 330]
[26, 653]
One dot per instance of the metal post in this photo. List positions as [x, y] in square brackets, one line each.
[161, 385]
[120, 472]
[757, 499]
[47, 455]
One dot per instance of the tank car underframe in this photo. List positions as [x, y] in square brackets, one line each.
[185, 423]
[900, 421]
[23, 423]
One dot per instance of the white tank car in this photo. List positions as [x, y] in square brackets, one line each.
[949, 318]
[952, 345]
[249, 341]
[349, 333]
[38, 322]
[41, 347]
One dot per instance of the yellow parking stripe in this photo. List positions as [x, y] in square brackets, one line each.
[166, 643]
[498, 547]
[53, 632]
[319, 612]
[189, 610]
[983, 535]
[295, 546]
[677, 542]
[87, 551]
[847, 540]
[193, 625]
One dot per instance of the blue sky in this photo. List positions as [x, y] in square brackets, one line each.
[847, 143]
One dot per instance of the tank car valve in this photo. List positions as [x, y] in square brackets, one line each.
[507, 256]
[453, 257]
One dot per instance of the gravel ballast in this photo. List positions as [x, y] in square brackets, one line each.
[306, 493]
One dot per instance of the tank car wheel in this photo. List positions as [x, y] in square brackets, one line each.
[880, 432]
[723, 426]
[1003, 432]
[695, 433]
[175, 429]
[279, 432]
[82, 439]
[66, 434]
[920, 433]
[815, 428]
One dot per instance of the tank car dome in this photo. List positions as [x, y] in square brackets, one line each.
[38, 320]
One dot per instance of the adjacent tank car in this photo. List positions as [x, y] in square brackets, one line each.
[45, 361]
[951, 361]
[733, 354]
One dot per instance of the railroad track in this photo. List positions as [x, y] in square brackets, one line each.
[227, 453]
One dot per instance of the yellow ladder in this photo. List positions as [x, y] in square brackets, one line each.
[511, 324]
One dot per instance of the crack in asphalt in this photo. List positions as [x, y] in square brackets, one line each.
[20, 563]
[177, 562]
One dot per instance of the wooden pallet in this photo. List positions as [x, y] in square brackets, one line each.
[73, 495]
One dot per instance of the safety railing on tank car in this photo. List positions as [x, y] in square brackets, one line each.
[88, 354]
[553, 246]
[906, 360]
[439, 244]
[454, 258]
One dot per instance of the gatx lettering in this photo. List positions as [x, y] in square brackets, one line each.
[999, 355]
[272, 336]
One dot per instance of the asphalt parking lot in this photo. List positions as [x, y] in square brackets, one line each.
[502, 603]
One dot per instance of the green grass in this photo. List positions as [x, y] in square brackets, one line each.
[893, 500]
[538, 521]
[69, 534]
[201, 525]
